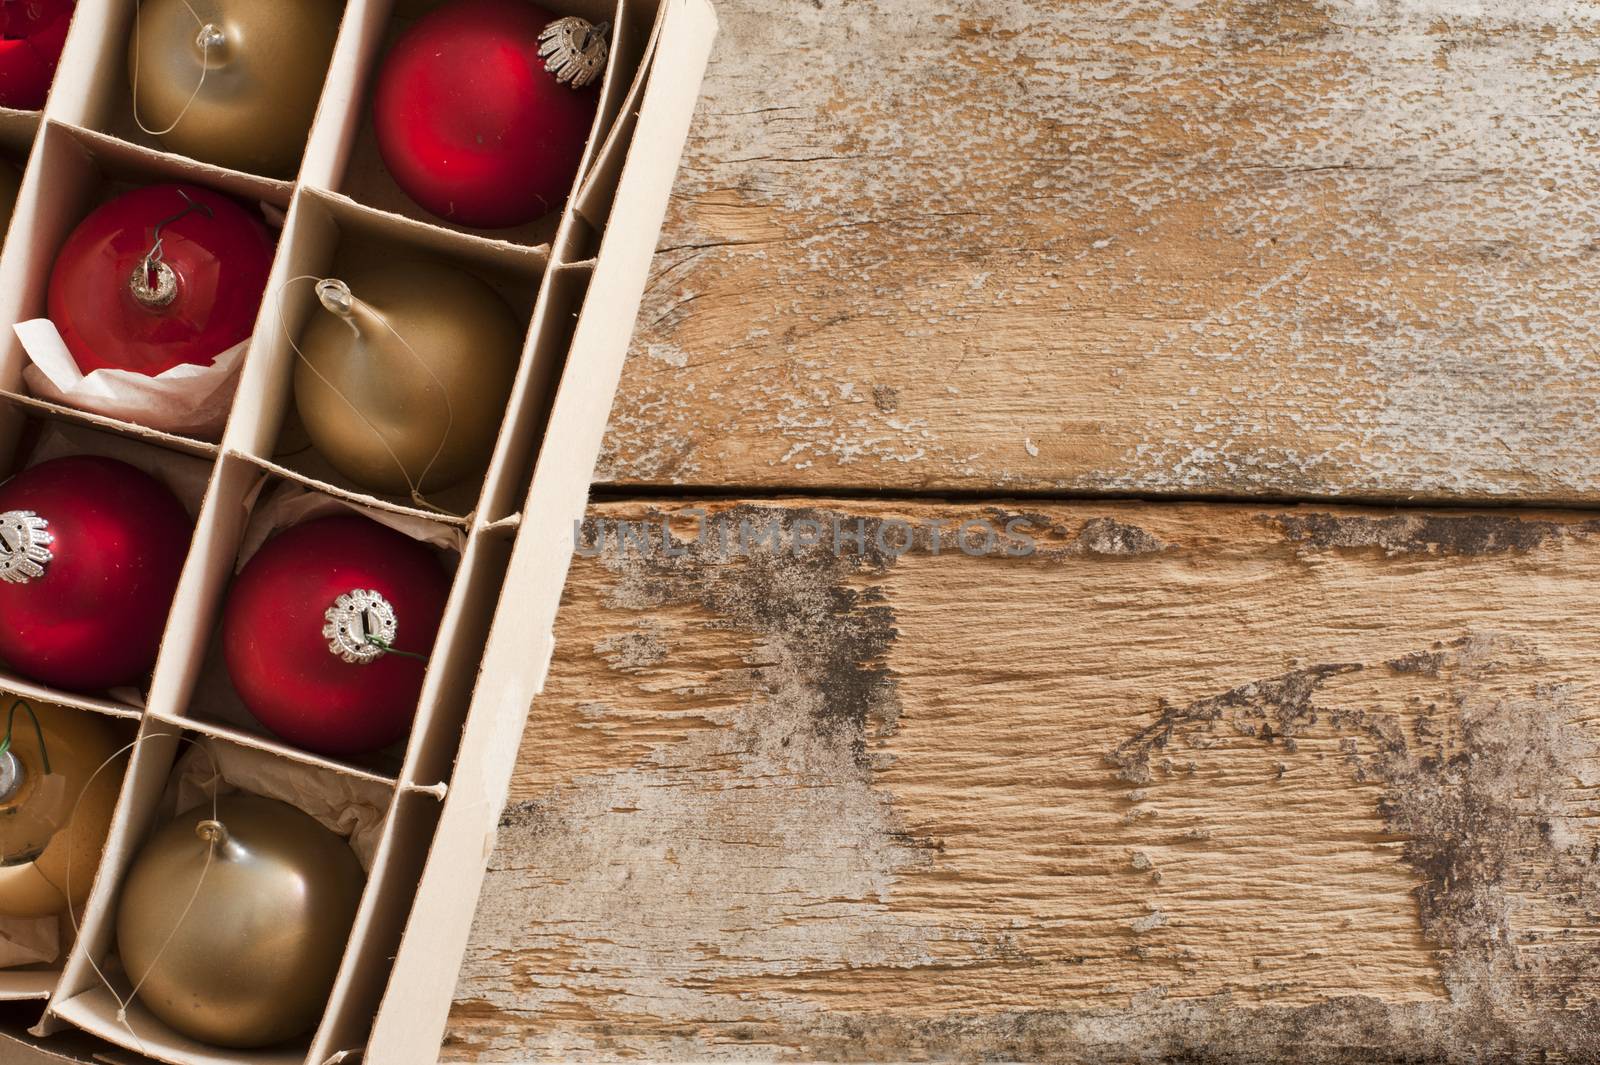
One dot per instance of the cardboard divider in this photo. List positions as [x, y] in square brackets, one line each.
[93, 88]
[328, 147]
[593, 202]
[16, 1018]
[38, 693]
[446, 781]
[17, 132]
[198, 691]
[202, 449]
[80, 85]
[554, 318]
[521, 642]
[142, 164]
[19, 143]
[386, 505]
[244, 738]
[22, 984]
[634, 31]
[347, 145]
[39, 979]
[453, 673]
[81, 170]
[83, 999]
[326, 234]
[385, 907]
[603, 161]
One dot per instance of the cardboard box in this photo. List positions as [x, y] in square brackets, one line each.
[576, 280]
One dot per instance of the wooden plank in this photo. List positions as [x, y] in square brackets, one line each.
[1292, 247]
[1186, 782]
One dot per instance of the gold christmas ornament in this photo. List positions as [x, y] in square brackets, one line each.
[54, 810]
[232, 82]
[239, 950]
[405, 374]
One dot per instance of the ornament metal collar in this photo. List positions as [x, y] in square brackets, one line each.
[25, 540]
[574, 50]
[153, 283]
[361, 626]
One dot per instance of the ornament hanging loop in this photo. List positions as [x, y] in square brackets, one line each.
[210, 38]
[12, 772]
[574, 50]
[153, 283]
[335, 297]
[38, 731]
[214, 832]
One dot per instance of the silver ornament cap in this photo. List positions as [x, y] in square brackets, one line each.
[574, 50]
[25, 540]
[11, 775]
[154, 284]
[361, 626]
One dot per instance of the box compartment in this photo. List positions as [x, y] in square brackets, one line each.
[574, 279]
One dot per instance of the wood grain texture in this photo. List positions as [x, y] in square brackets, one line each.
[1187, 782]
[1206, 247]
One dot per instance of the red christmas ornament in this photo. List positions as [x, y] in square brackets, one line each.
[159, 277]
[32, 34]
[326, 631]
[483, 107]
[90, 552]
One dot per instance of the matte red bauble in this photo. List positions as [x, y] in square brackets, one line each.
[32, 34]
[90, 552]
[159, 277]
[310, 626]
[477, 125]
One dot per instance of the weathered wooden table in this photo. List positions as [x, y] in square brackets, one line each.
[1235, 772]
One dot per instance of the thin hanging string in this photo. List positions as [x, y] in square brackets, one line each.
[38, 730]
[204, 39]
[202, 744]
[415, 485]
[154, 255]
[389, 649]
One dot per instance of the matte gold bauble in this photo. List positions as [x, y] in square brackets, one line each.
[405, 375]
[232, 82]
[53, 816]
[253, 959]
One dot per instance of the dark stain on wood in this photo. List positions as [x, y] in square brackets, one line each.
[1468, 535]
[795, 593]
[1101, 537]
[1110, 537]
[1481, 805]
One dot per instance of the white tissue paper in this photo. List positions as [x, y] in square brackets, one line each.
[187, 400]
[292, 504]
[186, 475]
[353, 807]
[29, 940]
